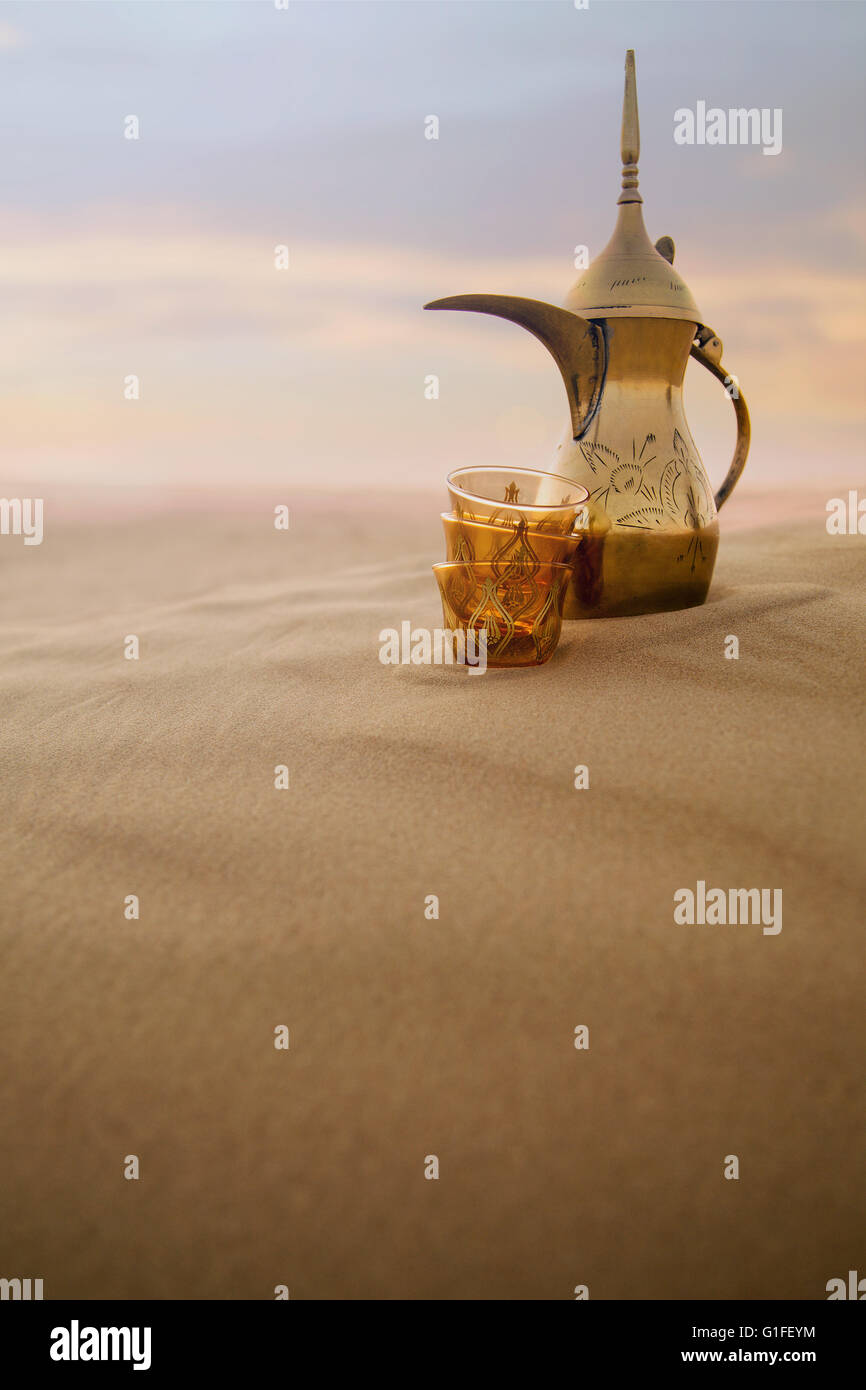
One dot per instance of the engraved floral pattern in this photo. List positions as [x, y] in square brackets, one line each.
[630, 500]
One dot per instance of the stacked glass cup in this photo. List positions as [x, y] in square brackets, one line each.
[512, 539]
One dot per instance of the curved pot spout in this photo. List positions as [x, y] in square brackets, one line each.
[575, 344]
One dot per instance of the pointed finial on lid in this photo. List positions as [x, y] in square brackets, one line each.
[630, 135]
[631, 278]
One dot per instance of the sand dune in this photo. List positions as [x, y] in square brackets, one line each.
[412, 1037]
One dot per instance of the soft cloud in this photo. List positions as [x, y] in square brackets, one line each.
[10, 37]
[248, 371]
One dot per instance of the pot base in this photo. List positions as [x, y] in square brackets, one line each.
[624, 573]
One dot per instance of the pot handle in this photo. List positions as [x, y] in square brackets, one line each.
[707, 349]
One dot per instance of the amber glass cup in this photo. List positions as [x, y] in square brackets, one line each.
[518, 606]
[545, 502]
[506, 544]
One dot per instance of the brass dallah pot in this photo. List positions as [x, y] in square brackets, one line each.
[622, 343]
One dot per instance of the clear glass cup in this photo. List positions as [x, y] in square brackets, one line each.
[505, 496]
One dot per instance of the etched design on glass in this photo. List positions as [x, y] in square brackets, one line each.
[545, 629]
[490, 616]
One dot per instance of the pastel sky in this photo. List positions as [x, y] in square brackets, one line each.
[262, 126]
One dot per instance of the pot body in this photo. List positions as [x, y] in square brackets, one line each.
[653, 529]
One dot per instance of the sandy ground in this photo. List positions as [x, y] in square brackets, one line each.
[412, 1037]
